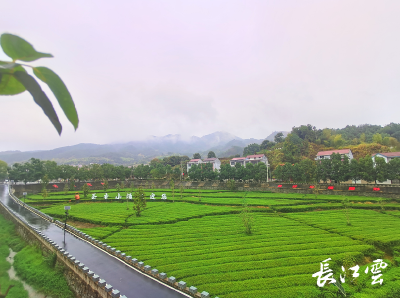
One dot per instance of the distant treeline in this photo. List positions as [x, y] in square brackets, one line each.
[36, 169]
[339, 170]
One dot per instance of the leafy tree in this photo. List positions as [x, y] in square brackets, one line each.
[251, 149]
[181, 190]
[72, 183]
[196, 156]
[122, 185]
[3, 170]
[139, 201]
[211, 154]
[231, 185]
[66, 188]
[377, 138]
[279, 138]
[355, 170]
[247, 218]
[105, 185]
[381, 169]
[132, 186]
[394, 169]
[117, 187]
[86, 190]
[14, 79]
[172, 185]
[367, 168]
[45, 193]
[305, 132]
[45, 181]
[267, 145]
[261, 172]
[292, 148]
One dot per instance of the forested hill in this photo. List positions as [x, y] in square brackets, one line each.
[305, 141]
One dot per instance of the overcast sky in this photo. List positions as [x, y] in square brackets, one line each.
[141, 68]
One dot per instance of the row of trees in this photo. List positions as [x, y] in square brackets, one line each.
[252, 172]
[36, 169]
[339, 170]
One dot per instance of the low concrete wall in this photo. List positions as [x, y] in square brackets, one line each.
[81, 280]
[387, 191]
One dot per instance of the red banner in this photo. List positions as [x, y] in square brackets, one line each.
[376, 189]
[352, 188]
[312, 186]
[89, 184]
[294, 186]
[280, 185]
[55, 186]
[330, 187]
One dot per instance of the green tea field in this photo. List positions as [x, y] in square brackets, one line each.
[201, 238]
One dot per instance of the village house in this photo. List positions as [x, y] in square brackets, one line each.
[388, 156]
[214, 161]
[254, 159]
[239, 160]
[193, 162]
[327, 154]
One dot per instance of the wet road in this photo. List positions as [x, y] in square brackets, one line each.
[116, 273]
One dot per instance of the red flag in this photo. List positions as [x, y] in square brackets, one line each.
[89, 184]
[294, 186]
[55, 185]
[280, 185]
[352, 188]
[376, 189]
[312, 186]
[330, 187]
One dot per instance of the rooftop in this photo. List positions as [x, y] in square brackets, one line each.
[389, 154]
[330, 152]
[210, 159]
[238, 158]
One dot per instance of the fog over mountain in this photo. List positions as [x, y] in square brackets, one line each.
[222, 143]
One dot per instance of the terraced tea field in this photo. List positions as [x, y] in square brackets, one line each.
[201, 239]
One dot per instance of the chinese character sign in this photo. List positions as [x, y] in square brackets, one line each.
[325, 274]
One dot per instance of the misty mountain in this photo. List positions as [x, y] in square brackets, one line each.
[135, 152]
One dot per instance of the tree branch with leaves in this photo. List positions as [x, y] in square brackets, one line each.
[14, 79]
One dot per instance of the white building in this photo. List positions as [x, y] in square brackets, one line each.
[256, 158]
[387, 156]
[215, 162]
[327, 154]
[239, 160]
[193, 162]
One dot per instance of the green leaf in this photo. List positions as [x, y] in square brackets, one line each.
[60, 91]
[19, 49]
[8, 84]
[39, 97]
[8, 65]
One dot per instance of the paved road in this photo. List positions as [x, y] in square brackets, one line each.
[128, 281]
